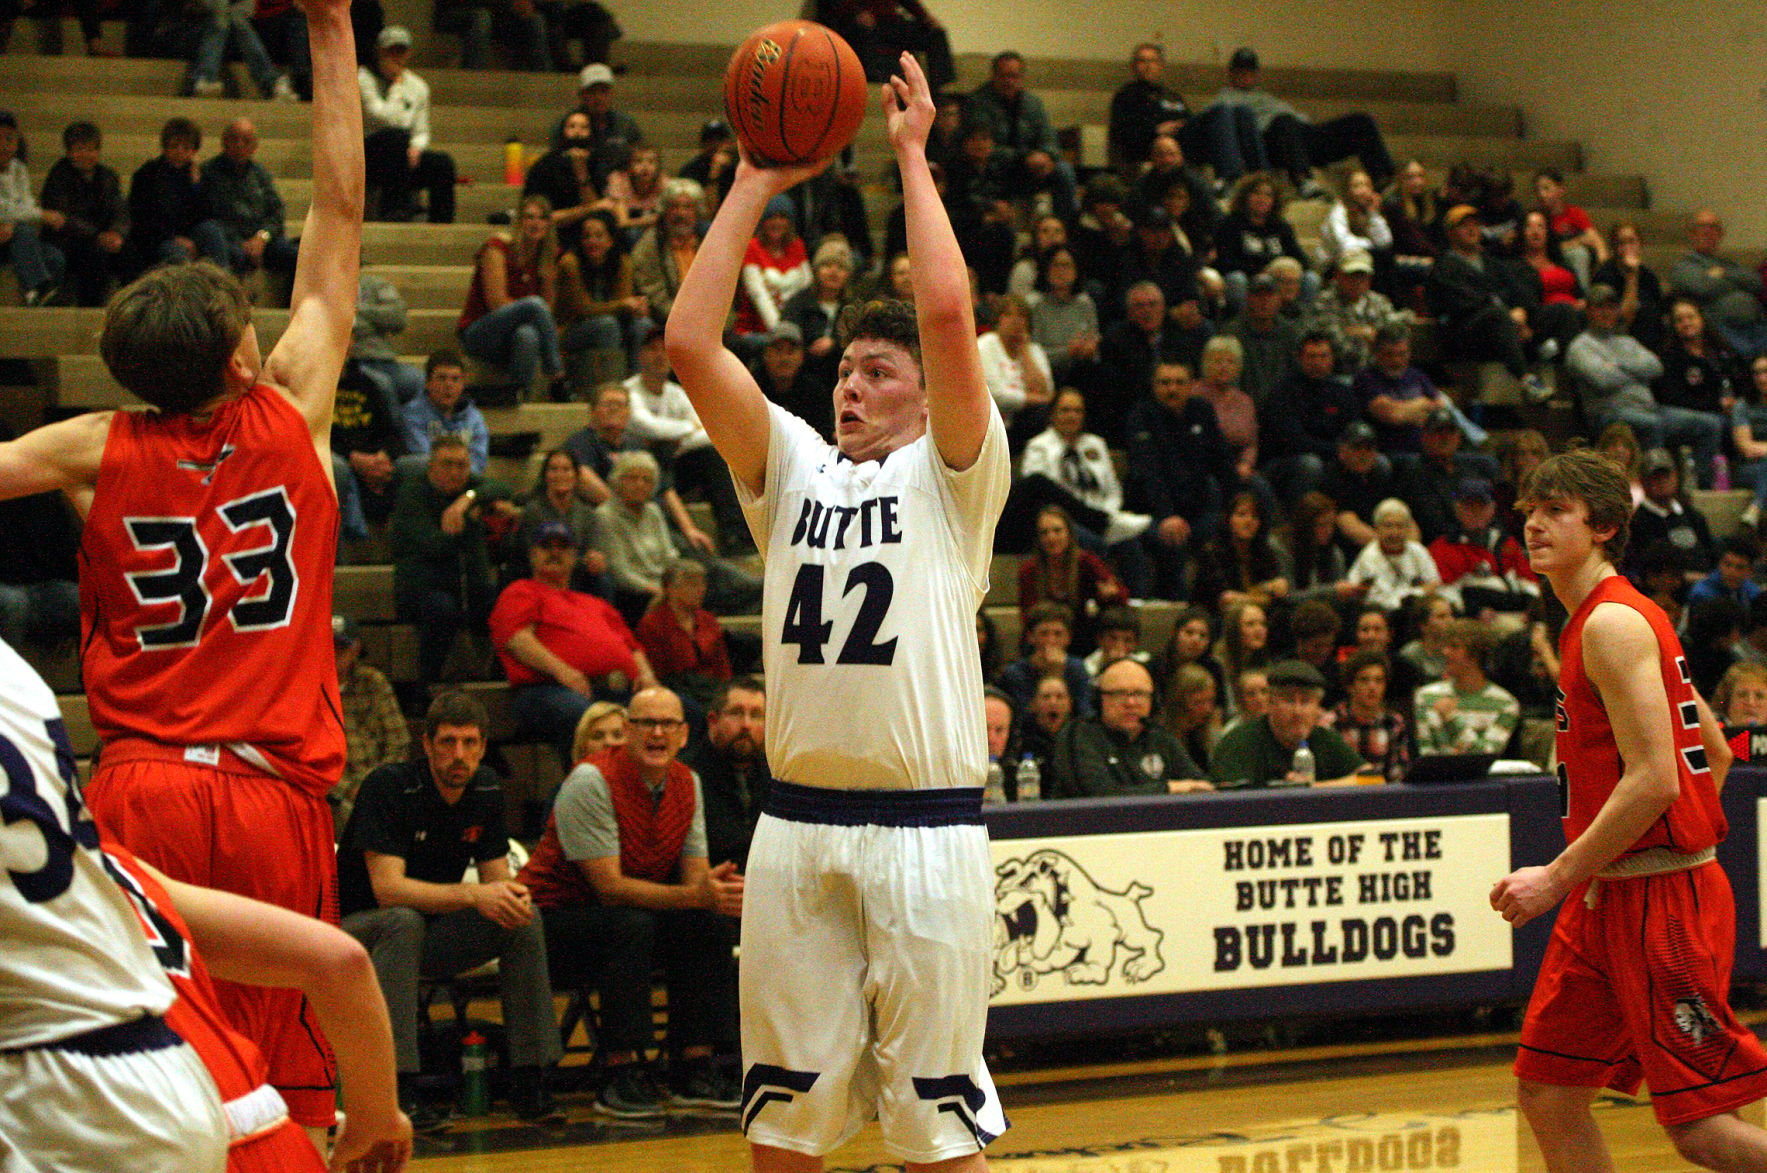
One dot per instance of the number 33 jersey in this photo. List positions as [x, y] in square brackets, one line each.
[874, 575]
[205, 588]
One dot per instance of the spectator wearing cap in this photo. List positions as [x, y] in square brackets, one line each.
[375, 732]
[775, 265]
[713, 165]
[1733, 577]
[1478, 302]
[815, 309]
[1253, 233]
[1024, 134]
[564, 176]
[1122, 751]
[1260, 752]
[785, 377]
[1303, 420]
[1427, 482]
[1613, 371]
[518, 25]
[1666, 515]
[1294, 142]
[1483, 569]
[1225, 137]
[612, 132]
[1394, 566]
[1351, 312]
[1396, 396]
[1357, 479]
[561, 648]
[1156, 256]
[395, 115]
[1268, 339]
[1465, 712]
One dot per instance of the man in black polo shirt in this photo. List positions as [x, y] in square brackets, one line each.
[732, 767]
[1120, 751]
[1261, 752]
[416, 828]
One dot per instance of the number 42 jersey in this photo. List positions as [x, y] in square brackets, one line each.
[874, 575]
[205, 588]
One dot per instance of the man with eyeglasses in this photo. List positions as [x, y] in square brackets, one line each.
[1120, 751]
[623, 882]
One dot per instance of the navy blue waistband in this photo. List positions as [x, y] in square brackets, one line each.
[949, 807]
[125, 1038]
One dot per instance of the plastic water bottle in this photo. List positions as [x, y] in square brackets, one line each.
[515, 163]
[995, 790]
[1302, 771]
[1721, 472]
[1030, 780]
[475, 1092]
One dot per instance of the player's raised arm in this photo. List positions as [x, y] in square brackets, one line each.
[958, 406]
[729, 401]
[56, 457]
[311, 353]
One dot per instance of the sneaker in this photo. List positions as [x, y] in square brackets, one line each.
[208, 89]
[425, 1117]
[283, 90]
[704, 1085]
[530, 1095]
[630, 1094]
[1535, 388]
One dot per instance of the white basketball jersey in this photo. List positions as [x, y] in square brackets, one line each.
[874, 575]
[73, 957]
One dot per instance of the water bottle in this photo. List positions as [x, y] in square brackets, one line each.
[514, 162]
[1302, 771]
[995, 790]
[1721, 472]
[1030, 780]
[475, 1092]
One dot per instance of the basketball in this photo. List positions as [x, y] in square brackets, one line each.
[795, 93]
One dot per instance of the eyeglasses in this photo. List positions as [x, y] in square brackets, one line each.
[659, 724]
[1132, 694]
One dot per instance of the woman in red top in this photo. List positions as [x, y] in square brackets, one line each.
[1558, 285]
[685, 642]
[1061, 572]
[508, 318]
[774, 267]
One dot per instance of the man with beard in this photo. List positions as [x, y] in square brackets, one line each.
[732, 767]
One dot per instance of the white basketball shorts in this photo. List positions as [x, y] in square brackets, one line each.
[866, 962]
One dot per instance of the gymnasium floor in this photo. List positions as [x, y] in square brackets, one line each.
[1441, 1104]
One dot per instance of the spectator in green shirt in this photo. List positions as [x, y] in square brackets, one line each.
[1465, 712]
[1261, 752]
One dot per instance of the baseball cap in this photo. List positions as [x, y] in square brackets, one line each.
[1474, 489]
[1441, 419]
[1657, 460]
[1359, 434]
[548, 532]
[1356, 260]
[394, 36]
[343, 631]
[1243, 58]
[1296, 674]
[1601, 293]
[595, 74]
[1458, 213]
[786, 332]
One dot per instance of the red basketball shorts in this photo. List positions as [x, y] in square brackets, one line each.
[254, 835]
[1637, 989]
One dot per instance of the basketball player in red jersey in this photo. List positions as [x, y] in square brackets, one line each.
[206, 568]
[190, 926]
[1636, 980]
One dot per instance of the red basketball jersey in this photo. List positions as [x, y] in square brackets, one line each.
[205, 588]
[1589, 764]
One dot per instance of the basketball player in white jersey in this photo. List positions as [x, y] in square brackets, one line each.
[865, 936]
[91, 1077]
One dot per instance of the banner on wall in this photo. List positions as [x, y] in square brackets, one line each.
[1168, 912]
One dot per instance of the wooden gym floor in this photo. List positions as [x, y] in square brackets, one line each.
[1429, 1104]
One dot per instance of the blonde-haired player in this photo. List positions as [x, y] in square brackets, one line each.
[865, 937]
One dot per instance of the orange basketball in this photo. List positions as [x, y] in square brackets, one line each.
[794, 92]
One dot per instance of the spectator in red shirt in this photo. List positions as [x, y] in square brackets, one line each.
[1061, 572]
[685, 642]
[1576, 234]
[562, 649]
[1483, 568]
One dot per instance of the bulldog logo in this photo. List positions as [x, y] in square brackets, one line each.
[1050, 916]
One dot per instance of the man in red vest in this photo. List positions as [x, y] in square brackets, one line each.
[623, 883]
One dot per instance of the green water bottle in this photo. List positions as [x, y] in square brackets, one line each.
[475, 1092]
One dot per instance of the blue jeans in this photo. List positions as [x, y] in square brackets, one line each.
[226, 26]
[1752, 474]
[350, 523]
[1238, 283]
[549, 712]
[520, 337]
[1227, 138]
[37, 262]
[525, 37]
[401, 381]
[210, 239]
[1672, 427]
